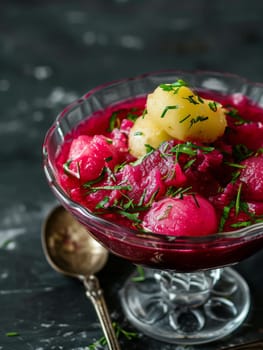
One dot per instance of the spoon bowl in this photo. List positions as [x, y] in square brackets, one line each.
[69, 247]
[70, 250]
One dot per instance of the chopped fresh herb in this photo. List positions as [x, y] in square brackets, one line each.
[119, 166]
[90, 183]
[152, 198]
[12, 334]
[241, 152]
[170, 174]
[128, 335]
[237, 203]
[111, 187]
[185, 118]
[167, 108]
[165, 213]
[233, 113]
[235, 176]
[114, 121]
[174, 192]
[6, 243]
[131, 116]
[212, 106]
[138, 133]
[189, 164]
[129, 204]
[66, 166]
[205, 149]
[108, 159]
[259, 151]
[102, 203]
[241, 224]
[144, 113]
[68, 171]
[171, 191]
[235, 165]
[195, 200]
[149, 148]
[140, 277]
[198, 119]
[110, 174]
[108, 140]
[174, 87]
[185, 148]
[119, 331]
[200, 99]
[131, 216]
[141, 201]
[225, 215]
[191, 99]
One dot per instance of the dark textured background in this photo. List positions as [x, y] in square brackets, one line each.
[51, 52]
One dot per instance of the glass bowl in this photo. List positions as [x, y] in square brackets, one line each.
[192, 300]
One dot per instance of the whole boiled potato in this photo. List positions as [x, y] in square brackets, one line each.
[145, 134]
[184, 115]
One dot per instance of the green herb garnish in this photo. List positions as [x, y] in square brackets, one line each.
[68, 171]
[149, 148]
[103, 202]
[180, 191]
[189, 149]
[212, 106]
[198, 119]
[191, 99]
[90, 183]
[111, 187]
[241, 152]
[131, 116]
[165, 213]
[235, 165]
[185, 118]
[6, 243]
[119, 331]
[225, 216]
[140, 275]
[167, 108]
[189, 164]
[12, 334]
[174, 87]
[108, 159]
[131, 216]
[144, 113]
[114, 121]
[233, 113]
[237, 202]
[241, 224]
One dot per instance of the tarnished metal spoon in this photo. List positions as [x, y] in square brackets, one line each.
[71, 250]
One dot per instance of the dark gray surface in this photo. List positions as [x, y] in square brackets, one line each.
[50, 53]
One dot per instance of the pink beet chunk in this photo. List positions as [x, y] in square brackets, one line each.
[187, 216]
[252, 177]
[89, 155]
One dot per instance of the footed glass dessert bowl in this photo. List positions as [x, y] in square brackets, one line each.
[185, 292]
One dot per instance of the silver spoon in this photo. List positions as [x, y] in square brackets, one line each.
[71, 250]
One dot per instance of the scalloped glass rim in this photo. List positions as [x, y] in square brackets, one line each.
[254, 90]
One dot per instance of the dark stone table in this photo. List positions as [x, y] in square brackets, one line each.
[51, 52]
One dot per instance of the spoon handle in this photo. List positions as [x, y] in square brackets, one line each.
[95, 294]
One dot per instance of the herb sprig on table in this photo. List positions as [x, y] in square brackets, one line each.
[119, 331]
[12, 334]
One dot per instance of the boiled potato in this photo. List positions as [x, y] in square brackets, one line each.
[145, 133]
[184, 115]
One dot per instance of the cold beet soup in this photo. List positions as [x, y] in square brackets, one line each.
[177, 162]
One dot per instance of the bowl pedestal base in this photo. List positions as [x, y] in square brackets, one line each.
[186, 308]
